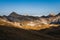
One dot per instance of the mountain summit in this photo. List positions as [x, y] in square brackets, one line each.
[58, 14]
[14, 14]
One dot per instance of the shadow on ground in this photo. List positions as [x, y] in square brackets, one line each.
[11, 33]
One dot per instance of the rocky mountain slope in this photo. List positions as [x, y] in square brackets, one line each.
[12, 33]
[22, 27]
[51, 18]
[31, 22]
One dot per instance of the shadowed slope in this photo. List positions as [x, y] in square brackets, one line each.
[11, 33]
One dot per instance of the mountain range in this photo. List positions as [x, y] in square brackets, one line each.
[25, 27]
[51, 18]
[31, 22]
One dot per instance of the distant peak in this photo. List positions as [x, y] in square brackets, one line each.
[13, 14]
[51, 14]
[58, 14]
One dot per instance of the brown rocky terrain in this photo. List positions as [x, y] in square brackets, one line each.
[22, 27]
[31, 22]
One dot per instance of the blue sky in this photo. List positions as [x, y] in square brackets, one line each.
[31, 7]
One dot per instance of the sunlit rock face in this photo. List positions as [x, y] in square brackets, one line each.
[56, 20]
[31, 24]
[43, 21]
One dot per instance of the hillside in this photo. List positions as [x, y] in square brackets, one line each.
[51, 18]
[11, 33]
[30, 22]
[25, 27]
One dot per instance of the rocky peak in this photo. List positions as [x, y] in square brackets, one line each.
[14, 14]
[58, 14]
[51, 15]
